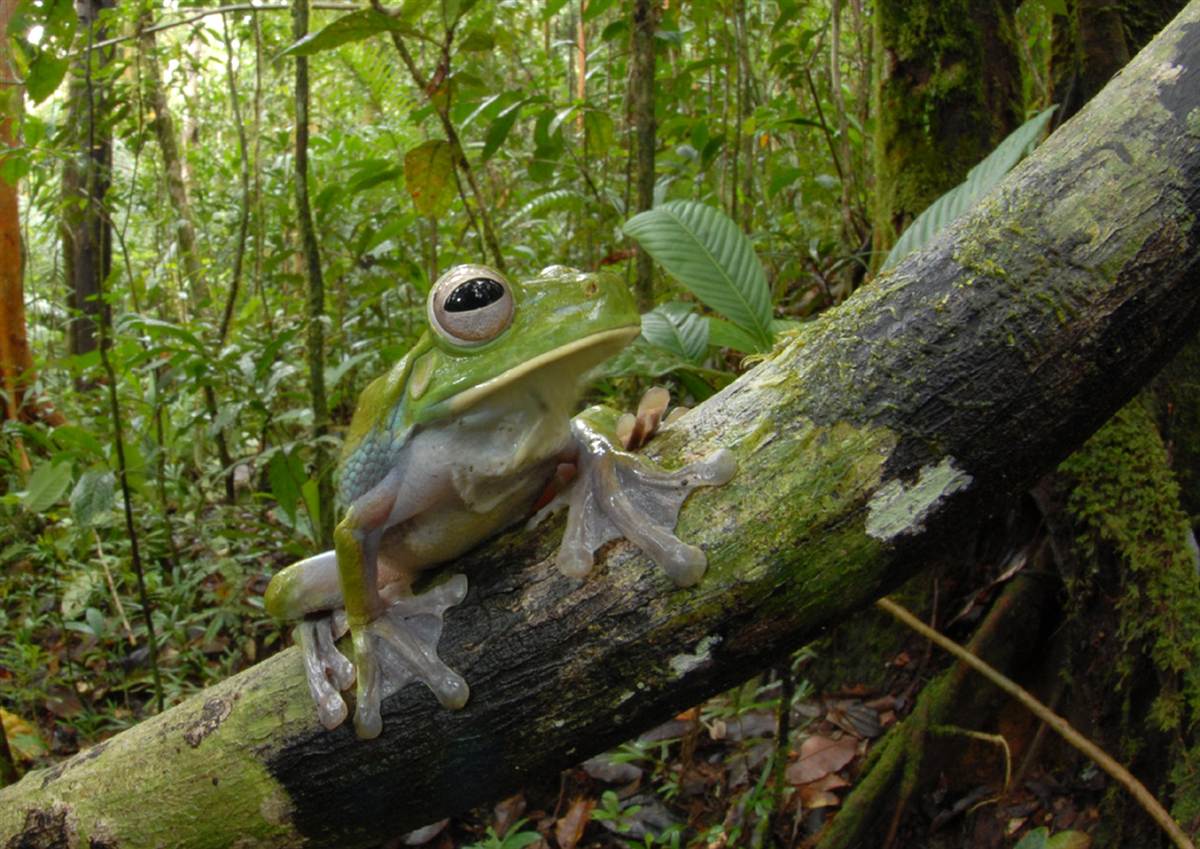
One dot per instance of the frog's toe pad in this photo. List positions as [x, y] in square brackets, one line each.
[623, 495]
[328, 671]
[400, 646]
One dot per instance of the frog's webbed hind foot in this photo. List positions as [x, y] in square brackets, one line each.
[327, 669]
[399, 647]
[618, 494]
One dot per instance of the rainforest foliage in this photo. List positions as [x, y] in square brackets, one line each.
[228, 218]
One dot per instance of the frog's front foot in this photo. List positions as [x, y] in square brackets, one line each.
[397, 647]
[618, 494]
[400, 646]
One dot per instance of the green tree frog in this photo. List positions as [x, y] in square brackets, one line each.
[453, 444]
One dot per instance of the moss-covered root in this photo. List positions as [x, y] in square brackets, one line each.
[893, 770]
[1131, 544]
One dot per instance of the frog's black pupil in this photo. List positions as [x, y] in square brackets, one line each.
[474, 294]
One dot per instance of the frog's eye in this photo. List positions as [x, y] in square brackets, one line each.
[471, 305]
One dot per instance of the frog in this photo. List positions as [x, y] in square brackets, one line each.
[457, 441]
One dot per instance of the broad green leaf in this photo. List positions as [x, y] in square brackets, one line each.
[725, 334]
[92, 496]
[477, 40]
[677, 329]
[46, 486]
[285, 473]
[45, 73]
[599, 127]
[702, 248]
[352, 27]
[1035, 839]
[499, 129]
[980, 180]
[615, 30]
[594, 9]
[552, 8]
[429, 175]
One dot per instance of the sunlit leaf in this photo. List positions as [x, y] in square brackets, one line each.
[92, 496]
[352, 27]
[980, 180]
[703, 249]
[429, 175]
[47, 484]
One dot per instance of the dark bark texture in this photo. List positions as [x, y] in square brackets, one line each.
[948, 90]
[881, 434]
[86, 229]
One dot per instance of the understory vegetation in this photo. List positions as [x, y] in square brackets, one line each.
[198, 334]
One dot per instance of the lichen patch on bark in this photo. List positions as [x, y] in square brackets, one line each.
[898, 509]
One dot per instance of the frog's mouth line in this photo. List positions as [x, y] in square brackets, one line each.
[616, 339]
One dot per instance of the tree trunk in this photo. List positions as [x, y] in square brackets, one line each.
[641, 112]
[885, 433]
[1094, 40]
[16, 365]
[947, 91]
[168, 144]
[86, 229]
[322, 460]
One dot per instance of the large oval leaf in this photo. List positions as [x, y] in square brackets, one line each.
[46, 486]
[676, 328]
[980, 180]
[429, 174]
[352, 27]
[703, 249]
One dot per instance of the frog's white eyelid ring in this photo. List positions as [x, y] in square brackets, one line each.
[470, 305]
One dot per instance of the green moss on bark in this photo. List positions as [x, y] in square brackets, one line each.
[947, 92]
[1132, 556]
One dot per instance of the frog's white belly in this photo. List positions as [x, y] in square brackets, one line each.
[476, 474]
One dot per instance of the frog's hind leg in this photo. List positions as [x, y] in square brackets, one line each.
[400, 646]
[618, 494]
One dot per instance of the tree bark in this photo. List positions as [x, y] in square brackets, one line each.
[322, 460]
[947, 91]
[641, 112]
[16, 365]
[168, 145]
[881, 435]
[86, 229]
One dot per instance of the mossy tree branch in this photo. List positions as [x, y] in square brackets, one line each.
[871, 440]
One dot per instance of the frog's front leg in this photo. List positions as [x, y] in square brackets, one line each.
[395, 641]
[618, 494]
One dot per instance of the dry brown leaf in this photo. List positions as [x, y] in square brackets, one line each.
[569, 828]
[819, 756]
[506, 812]
[819, 793]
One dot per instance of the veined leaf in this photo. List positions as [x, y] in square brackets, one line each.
[92, 496]
[429, 175]
[46, 486]
[980, 180]
[676, 328]
[352, 27]
[499, 129]
[725, 334]
[702, 248]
